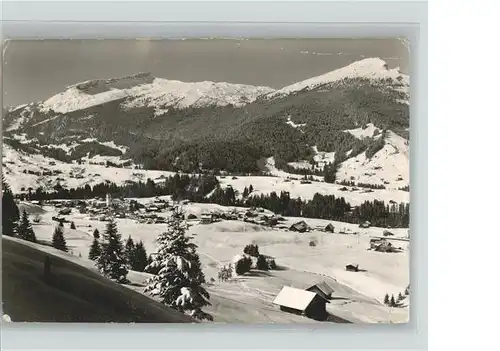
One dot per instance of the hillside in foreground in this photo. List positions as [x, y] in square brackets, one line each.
[74, 294]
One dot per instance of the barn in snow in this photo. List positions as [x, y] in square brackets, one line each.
[302, 302]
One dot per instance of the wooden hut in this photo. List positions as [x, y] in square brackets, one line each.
[351, 268]
[300, 227]
[330, 228]
[302, 302]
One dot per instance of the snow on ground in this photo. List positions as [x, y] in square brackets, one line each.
[303, 164]
[25, 116]
[293, 125]
[73, 99]
[22, 138]
[249, 298]
[270, 167]
[372, 68]
[72, 175]
[266, 185]
[389, 166]
[46, 120]
[112, 145]
[163, 92]
[367, 132]
[323, 158]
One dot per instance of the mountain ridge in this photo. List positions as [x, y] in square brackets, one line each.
[313, 124]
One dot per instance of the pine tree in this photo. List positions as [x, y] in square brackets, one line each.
[393, 302]
[58, 240]
[386, 299]
[95, 250]
[400, 297]
[25, 231]
[72, 226]
[179, 282]
[96, 234]
[112, 261]
[129, 251]
[407, 290]
[10, 212]
[140, 260]
[250, 189]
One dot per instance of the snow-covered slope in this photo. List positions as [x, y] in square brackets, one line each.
[368, 132]
[372, 68]
[70, 175]
[144, 90]
[390, 166]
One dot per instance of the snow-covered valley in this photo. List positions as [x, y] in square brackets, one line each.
[358, 296]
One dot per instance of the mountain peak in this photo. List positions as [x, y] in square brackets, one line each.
[143, 89]
[371, 68]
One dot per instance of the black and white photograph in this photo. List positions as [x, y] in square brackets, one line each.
[209, 180]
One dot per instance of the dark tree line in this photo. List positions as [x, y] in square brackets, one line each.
[362, 185]
[10, 211]
[194, 188]
[320, 206]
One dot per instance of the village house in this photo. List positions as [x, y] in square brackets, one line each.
[302, 302]
[206, 218]
[300, 227]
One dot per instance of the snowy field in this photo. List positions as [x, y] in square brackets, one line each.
[358, 295]
[73, 175]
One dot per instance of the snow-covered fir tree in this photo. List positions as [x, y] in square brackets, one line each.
[25, 230]
[10, 212]
[58, 240]
[112, 262]
[179, 282]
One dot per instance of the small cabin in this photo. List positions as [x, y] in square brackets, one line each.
[330, 228]
[300, 227]
[352, 268]
[206, 218]
[365, 224]
[302, 302]
[387, 233]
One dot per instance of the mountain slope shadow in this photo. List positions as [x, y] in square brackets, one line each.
[70, 293]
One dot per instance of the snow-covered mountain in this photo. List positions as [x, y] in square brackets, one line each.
[374, 69]
[145, 90]
[223, 126]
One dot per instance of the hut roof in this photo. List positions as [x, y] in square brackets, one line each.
[294, 298]
[299, 226]
[323, 287]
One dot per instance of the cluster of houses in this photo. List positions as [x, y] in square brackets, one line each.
[102, 209]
